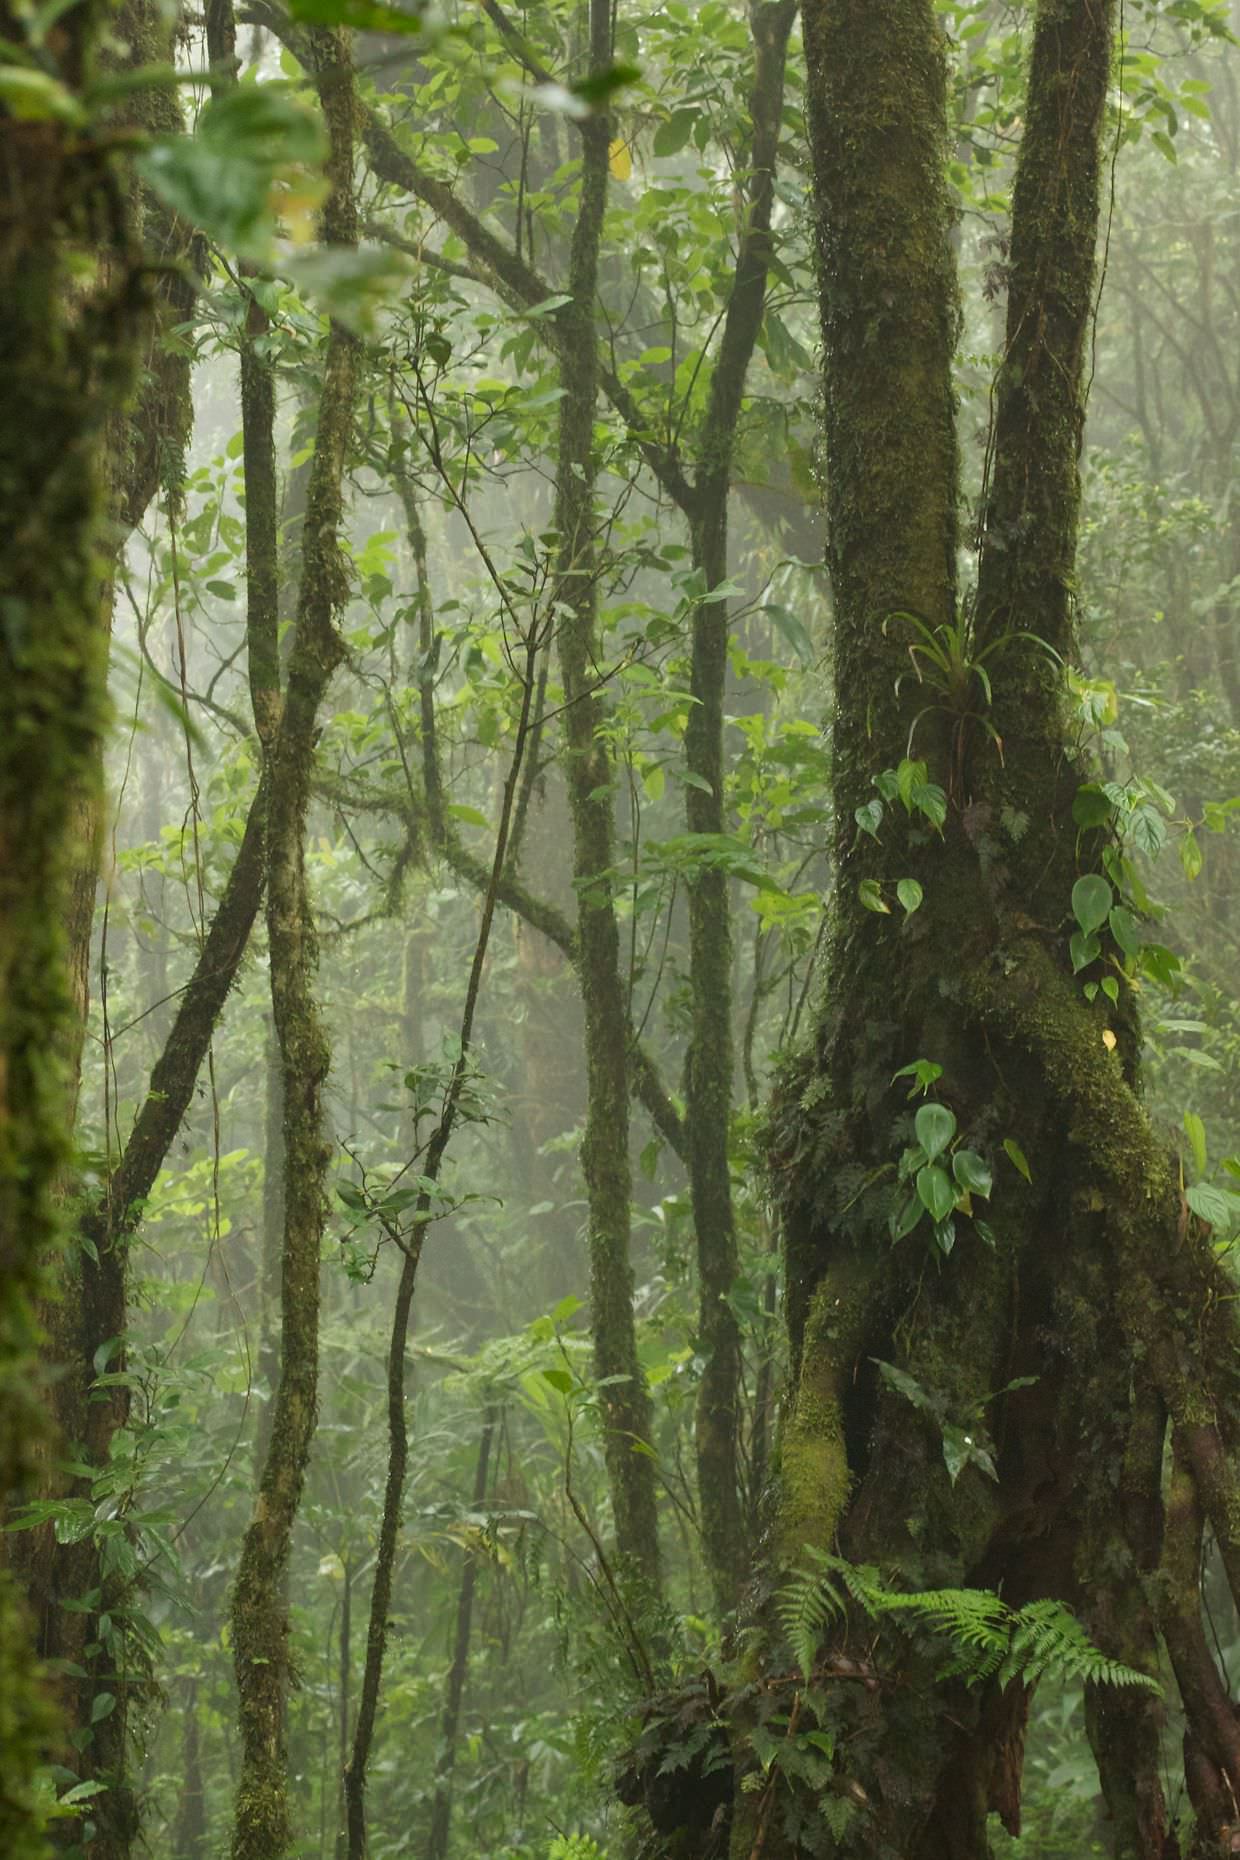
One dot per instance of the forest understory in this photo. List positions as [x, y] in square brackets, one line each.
[619, 788]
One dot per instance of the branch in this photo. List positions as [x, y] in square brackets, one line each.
[117, 1212]
[516, 43]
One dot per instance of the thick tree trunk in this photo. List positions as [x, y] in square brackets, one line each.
[68, 362]
[1092, 1281]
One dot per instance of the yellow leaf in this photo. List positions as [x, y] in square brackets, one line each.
[1108, 1039]
[621, 162]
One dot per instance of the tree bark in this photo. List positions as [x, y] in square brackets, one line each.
[590, 775]
[1097, 1247]
[262, 1827]
[68, 364]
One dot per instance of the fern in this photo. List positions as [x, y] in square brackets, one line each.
[575, 1847]
[986, 1638]
[807, 1603]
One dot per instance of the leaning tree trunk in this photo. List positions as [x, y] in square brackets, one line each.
[1091, 1285]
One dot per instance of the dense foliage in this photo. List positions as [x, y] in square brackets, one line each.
[463, 879]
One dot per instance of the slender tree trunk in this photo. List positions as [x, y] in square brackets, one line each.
[590, 775]
[262, 1828]
[441, 1806]
[710, 1064]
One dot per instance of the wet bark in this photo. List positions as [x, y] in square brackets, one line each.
[1097, 1282]
[441, 1805]
[262, 1827]
[590, 775]
[972, 980]
[67, 368]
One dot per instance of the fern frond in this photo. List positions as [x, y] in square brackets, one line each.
[1046, 1638]
[806, 1604]
[986, 1638]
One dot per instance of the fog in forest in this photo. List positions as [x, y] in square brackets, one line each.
[576, 782]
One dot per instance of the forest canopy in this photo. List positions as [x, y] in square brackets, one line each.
[619, 771]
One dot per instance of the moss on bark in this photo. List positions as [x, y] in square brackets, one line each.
[262, 1828]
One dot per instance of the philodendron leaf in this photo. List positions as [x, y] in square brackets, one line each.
[973, 1173]
[935, 1126]
[1092, 899]
[1126, 930]
[870, 893]
[936, 1191]
[1083, 949]
[907, 1217]
[910, 894]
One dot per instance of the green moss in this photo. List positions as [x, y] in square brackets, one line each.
[814, 1476]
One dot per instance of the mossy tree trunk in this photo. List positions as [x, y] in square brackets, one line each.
[1096, 1283]
[590, 775]
[141, 458]
[67, 365]
[262, 1827]
[710, 1060]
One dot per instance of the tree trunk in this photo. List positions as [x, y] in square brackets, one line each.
[441, 1806]
[68, 363]
[262, 1828]
[1092, 1289]
[590, 774]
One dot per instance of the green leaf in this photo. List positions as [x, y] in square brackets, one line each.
[671, 136]
[923, 1072]
[1091, 807]
[961, 1449]
[931, 800]
[560, 1380]
[102, 1706]
[1092, 899]
[904, 1384]
[1083, 950]
[1016, 1156]
[1195, 1131]
[788, 623]
[1190, 855]
[935, 1126]
[1210, 1205]
[869, 818]
[223, 177]
[937, 1191]
[1125, 929]
[457, 810]
[870, 893]
[910, 894]
[903, 1223]
[973, 1173]
[37, 97]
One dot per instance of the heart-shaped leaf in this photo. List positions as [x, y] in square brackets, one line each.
[1092, 899]
[936, 1190]
[935, 1126]
[973, 1173]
